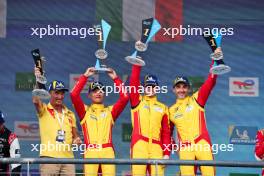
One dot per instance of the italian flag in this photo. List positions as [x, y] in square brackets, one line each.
[125, 17]
[2, 18]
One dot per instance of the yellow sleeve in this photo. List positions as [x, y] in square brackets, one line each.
[195, 95]
[73, 121]
[86, 107]
[170, 113]
[43, 108]
[110, 108]
[109, 111]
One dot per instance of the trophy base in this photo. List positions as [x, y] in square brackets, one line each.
[135, 60]
[41, 93]
[140, 46]
[220, 69]
[41, 79]
[217, 55]
[101, 54]
[102, 70]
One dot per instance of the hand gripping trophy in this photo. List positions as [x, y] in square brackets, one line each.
[41, 80]
[149, 28]
[214, 41]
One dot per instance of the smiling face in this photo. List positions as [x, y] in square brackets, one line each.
[97, 96]
[150, 91]
[56, 97]
[181, 90]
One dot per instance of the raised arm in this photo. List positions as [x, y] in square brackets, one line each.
[36, 100]
[134, 85]
[206, 89]
[121, 103]
[76, 91]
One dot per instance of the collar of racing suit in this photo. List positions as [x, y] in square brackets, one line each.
[150, 99]
[180, 101]
[63, 106]
[97, 106]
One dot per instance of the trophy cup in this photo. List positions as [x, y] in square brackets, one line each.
[149, 28]
[41, 80]
[214, 41]
[101, 54]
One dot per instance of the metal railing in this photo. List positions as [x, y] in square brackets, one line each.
[28, 161]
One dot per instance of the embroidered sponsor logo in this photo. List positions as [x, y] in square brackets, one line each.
[146, 107]
[158, 109]
[103, 115]
[176, 116]
[93, 117]
[189, 108]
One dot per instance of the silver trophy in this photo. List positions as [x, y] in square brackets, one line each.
[149, 28]
[40, 90]
[214, 41]
[101, 54]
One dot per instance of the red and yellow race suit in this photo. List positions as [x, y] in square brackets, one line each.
[188, 115]
[97, 122]
[150, 124]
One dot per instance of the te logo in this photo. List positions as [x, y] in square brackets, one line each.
[29, 128]
[247, 84]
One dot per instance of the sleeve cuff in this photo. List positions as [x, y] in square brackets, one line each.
[83, 77]
[117, 80]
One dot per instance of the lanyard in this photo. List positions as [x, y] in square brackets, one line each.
[60, 120]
